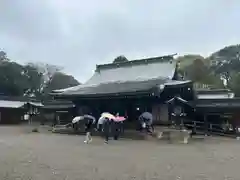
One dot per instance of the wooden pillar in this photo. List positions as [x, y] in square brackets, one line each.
[181, 123]
[170, 118]
[205, 125]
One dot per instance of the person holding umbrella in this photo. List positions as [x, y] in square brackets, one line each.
[100, 123]
[106, 121]
[89, 123]
[107, 129]
[76, 121]
[146, 120]
[118, 126]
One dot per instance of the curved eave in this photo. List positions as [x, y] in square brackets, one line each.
[155, 91]
[146, 93]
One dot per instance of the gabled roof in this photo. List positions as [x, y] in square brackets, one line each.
[176, 98]
[126, 77]
[11, 104]
[17, 101]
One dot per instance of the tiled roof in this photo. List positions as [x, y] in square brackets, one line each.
[126, 77]
[14, 100]
[134, 73]
[11, 104]
[127, 87]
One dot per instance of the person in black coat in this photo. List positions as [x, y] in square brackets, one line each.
[107, 128]
[116, 129]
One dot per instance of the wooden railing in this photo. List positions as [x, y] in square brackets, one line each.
[210, 128]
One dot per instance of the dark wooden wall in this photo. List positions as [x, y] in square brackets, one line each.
[11, 115]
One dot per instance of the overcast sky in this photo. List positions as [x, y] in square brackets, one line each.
[78, 34]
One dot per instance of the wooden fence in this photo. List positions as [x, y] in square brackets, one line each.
[210, 128]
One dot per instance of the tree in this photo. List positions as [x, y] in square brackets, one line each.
[43, 78]
[197, 70]
[12, 79]
[48, 78]
[185, 63]
[234, 84]
[227, 52]
[32, 80]
[188, 59]
[226, 62]
[47, 72]
[120, 59]
[3, 56]
[200, 73]
[60, 81]
[16, 79]
[35, 81]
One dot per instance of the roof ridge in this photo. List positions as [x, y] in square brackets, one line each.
[166, 58]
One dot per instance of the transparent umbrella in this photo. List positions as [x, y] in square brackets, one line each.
[108, 115]
[77, 119]
[87, 116]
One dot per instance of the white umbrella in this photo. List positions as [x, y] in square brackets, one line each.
[90, 117]
[77, 119]
[108, 115]
[101, 120]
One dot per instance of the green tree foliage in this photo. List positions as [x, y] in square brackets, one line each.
[3, 56]
[234, 84]
[47, 72]
[120, 59]
[198, 71]
[12, 80]
[226, 62]
[18, 80]
[50, 77]
[34, 79]
[31, 80]
[227, 52]
[187, 60]
[185, 64]
[60, 81]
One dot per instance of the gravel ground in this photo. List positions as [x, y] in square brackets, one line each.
[46, 156]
